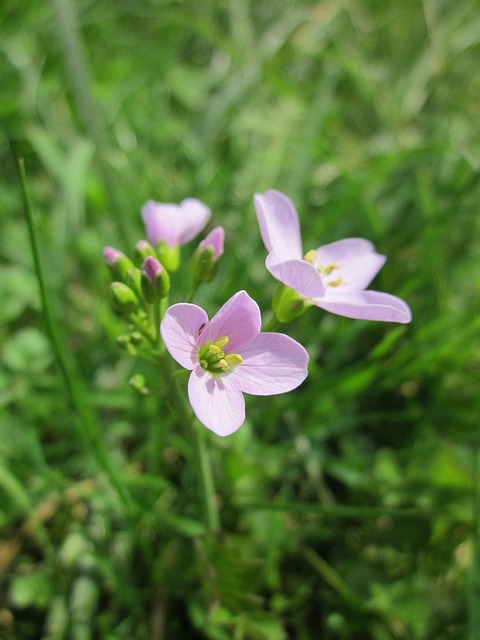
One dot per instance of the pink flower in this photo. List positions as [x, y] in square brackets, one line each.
[174, 223]
[228, 356]
[333, 277]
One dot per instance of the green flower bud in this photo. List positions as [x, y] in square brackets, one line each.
[204, 262]
[123, 299]
[133, 280]
[143, 250]
[288, 304]
[168, 256]
[117, 262]
[137, 383]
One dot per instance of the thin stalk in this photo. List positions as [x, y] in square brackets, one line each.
[193, 291]
[474, 573]
[333, 579]
[272, 324]
[89, 428]
[209, 499]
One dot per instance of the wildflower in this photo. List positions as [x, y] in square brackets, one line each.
[170, 225]
[229, 356]
[333, 277]
[204, 262]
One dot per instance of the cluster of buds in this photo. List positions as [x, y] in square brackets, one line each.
[141, 284]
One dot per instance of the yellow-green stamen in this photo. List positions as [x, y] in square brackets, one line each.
[326, 271]
[213, 358]
[335, 283]
[310, 256]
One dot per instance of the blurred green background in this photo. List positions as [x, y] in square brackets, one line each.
[351, 506]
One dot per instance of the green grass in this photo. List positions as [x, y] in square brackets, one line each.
[349, 507]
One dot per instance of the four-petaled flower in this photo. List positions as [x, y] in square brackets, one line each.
[229, 356]
[174, 224]
[333, 277]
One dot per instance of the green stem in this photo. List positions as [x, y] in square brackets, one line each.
[209, 499]
[89, 427]
[272, 324]
[193, 291]
[474, 573]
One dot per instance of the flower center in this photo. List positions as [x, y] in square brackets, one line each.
[213, 358]
[310, 257]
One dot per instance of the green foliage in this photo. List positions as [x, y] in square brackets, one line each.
[350, 508]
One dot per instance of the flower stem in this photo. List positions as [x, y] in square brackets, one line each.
[474, 572]
[212, 519]
[209, 499]
[272, 324]
[193, 291]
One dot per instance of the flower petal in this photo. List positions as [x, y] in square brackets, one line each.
[180, 330]
[215, 241]
[279, 226]
[239, 319]
[195, 216]
[216, 403]
[367, 305]
[272, 363]
[297, 274]
[358, 263]
[174, 224]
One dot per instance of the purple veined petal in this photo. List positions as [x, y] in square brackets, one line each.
[367, 305]
[358, 263]
[239, 319]
[174, 224]
[216, 403]
[180, 329]
[279, 226]
[300, 275]
[272, 363]
[214, 240]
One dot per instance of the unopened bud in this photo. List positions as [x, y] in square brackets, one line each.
[168, 256]
[117, 262]
[288, 304]
[137, 383]
[123, 342]
[133, 280]
[143, 250]
[204, 262]
[155, 281]
[123, 298]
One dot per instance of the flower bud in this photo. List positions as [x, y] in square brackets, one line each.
[117, 262]
[155, 282]
[133, 280]
[168, 256]
[138, 383]
[123, 299]
[288, 304]
[143, 249]
[204, 262]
